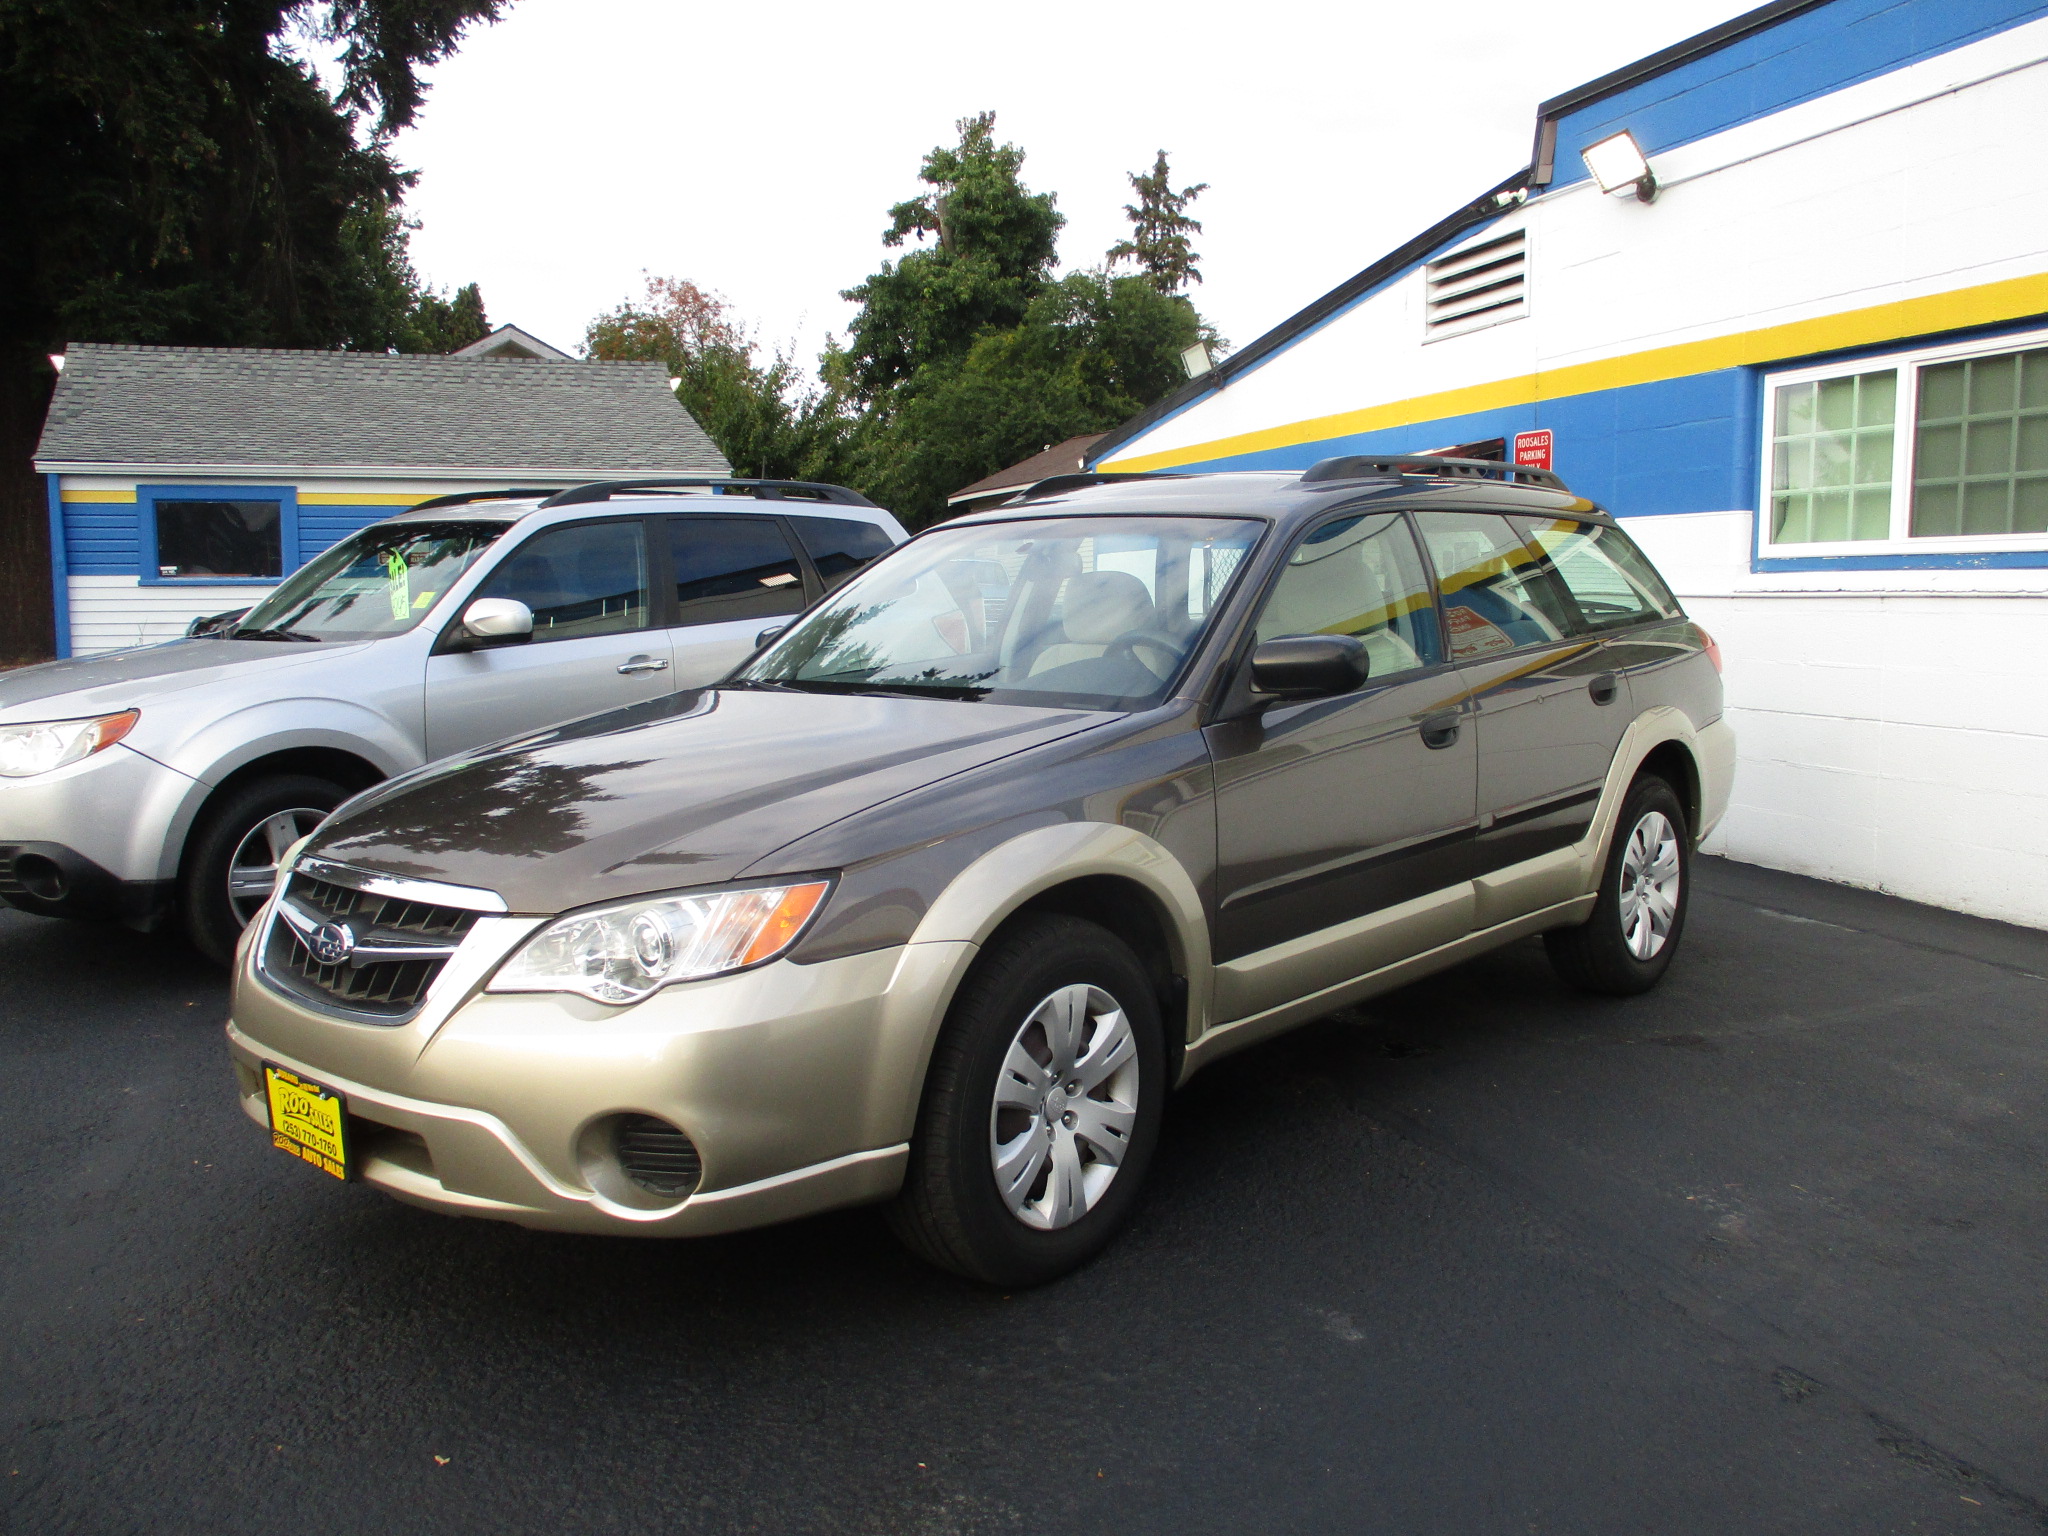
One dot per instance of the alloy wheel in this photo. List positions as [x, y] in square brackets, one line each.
[1650, 875]
[253, 870]
[1066, 1103]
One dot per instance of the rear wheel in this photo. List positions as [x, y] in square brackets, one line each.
[1627, 944]
[1041, 1108]
[231, 861]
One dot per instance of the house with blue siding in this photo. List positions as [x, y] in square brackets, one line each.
[186, 481]
[1776, 296]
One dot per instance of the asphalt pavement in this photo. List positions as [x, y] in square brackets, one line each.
[1761, 1252]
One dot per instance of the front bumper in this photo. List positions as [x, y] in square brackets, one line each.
[798, 1084]
[91, 839]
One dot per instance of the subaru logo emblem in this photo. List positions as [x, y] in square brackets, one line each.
[331, 943]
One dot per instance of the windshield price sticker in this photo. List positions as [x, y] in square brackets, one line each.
[307, 1120]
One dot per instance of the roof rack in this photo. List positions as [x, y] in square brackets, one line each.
[463, 498]
[766, 490]
[1435, 466]
[1059, 484]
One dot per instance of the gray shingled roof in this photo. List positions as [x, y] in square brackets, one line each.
[230, 407]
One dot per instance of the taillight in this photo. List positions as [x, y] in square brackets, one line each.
[1713, 647]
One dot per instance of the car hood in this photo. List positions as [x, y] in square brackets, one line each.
[686, 790]
[116, 680]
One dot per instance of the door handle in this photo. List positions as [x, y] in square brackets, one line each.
[1603, 688]
[643, 664]
[1439, 731]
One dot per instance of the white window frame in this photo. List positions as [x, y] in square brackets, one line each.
[1905, 435]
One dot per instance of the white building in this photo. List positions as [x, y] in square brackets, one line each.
[1810, 372]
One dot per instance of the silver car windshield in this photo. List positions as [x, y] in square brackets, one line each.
[1090, 612]
[379, 581]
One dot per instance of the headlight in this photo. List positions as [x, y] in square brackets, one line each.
[621, 954]
[26, 750]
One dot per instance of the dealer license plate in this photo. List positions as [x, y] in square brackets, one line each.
[307, 1120]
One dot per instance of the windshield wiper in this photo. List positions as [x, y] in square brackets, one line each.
[275, 634]
[968, 691]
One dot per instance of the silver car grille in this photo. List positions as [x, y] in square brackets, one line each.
[363, 945]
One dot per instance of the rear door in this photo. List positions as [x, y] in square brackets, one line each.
[1551, 704]
[734, 576]
[594, 646]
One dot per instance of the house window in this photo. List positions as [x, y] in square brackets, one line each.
[1944, 449]
[219, 538]
[217, 533]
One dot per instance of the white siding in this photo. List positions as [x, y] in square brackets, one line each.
[110, 612]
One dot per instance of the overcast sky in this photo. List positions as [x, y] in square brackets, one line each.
[756, 149]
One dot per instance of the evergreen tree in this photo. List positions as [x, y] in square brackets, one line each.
[1159, 242]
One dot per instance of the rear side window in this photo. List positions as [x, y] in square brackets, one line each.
[1610, 581]
[1500, 591]
[733, 568]
[839, 546]
[588, 579]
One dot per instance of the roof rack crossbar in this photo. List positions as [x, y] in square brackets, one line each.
[463, 498]
[1355, 466]
[1059, 484]
[765, 490]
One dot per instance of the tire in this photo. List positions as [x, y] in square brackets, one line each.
[1023, 995]
[1626, 945]
[233, 835]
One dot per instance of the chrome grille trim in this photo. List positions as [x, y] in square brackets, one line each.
[429, 892]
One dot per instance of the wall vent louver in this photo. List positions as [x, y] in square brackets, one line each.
[1483, 284]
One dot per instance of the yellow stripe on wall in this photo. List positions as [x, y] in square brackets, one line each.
[83, 496]
[2014, 299]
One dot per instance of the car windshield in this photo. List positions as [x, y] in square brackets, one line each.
[1091, 612]
[379, 581]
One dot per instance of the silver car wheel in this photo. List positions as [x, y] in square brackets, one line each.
[1065, 1105]
[253, 870]
[1650, 875]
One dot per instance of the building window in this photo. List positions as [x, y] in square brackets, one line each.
[1941, 449]
[219, 533]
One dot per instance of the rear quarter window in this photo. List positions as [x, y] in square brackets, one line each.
[839, 546]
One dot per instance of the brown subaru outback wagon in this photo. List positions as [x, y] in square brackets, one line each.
[934, 899]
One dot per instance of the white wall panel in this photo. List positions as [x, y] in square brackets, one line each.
[111, 612]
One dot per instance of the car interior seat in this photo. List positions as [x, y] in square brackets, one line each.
[1096, 608]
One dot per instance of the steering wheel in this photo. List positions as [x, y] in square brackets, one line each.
[1137, 640]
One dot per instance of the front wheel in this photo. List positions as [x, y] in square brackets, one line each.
[1627, 944]
[231, 862]
[1041, 1108]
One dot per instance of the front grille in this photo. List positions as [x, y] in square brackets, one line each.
[656, 1156]
[387, 987]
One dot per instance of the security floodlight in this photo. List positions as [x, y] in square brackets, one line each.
[1617, 164]
[1196, 360]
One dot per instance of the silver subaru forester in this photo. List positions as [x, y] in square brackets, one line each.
[169, 779]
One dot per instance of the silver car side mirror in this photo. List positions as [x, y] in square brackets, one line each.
[498, 621]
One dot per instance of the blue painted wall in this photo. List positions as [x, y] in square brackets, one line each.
[105, 538]
[1823, 50]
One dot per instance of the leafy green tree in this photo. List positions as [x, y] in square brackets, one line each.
[1159, 243]
[994, 244]
[766, 419]
[169, 173]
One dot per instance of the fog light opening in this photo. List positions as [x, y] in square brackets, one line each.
[40, 877]
[656, 1157]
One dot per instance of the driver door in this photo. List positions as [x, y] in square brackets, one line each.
[1335, 810]
[592, 647]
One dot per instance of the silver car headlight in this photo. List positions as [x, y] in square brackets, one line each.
[621, 954]
[41, 745]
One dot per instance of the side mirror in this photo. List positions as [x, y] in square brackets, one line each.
[1309, 666]
[498, 621]
[761, 640]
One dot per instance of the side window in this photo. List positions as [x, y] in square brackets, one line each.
[1499, 590]
[585, 580]
[733, 568]
[1358, 576]
[839, 546]
[1609, 579]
